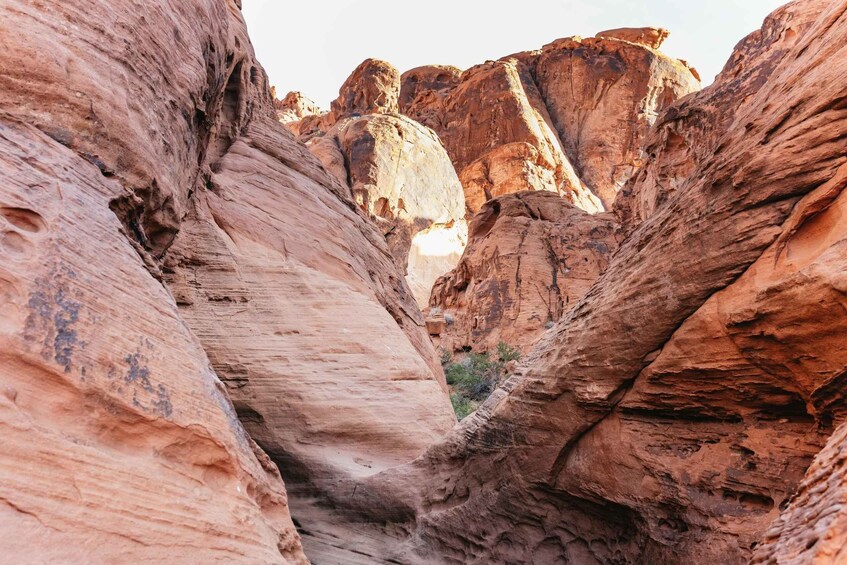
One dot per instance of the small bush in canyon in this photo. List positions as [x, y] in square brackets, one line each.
[475, 377]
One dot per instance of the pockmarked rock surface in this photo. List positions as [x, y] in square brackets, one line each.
[568, 118]
[119, 441]
[161, 233]
[710, 347]
[531, 256]
[812, 528]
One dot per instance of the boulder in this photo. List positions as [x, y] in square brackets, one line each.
[651, 37]
[372, 88]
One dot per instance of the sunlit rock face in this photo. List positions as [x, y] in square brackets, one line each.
[434, 251]
[396, 170]
[294, 108]
[568, 118]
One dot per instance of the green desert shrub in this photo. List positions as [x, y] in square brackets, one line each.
[475, 377]
[507, 353]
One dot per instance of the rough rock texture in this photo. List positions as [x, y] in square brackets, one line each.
[812, 529]
[292, 109]
[603, 95]
[687, 133]
[652, 37]
[531, 256]
[569, 118]
[424, 90]
[670, 415]
[495, 127]
[119, 441]
[372, 88]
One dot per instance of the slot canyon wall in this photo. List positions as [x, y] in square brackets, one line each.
[205, 291]
[673, 412]
[168, 246]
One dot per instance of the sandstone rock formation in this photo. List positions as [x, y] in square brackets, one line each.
[286, 306]
[294, 108]
[400, 174]
[160, 229]
[372, 88]
[396, 170]
[812, 529]
[531, 256]
[688, 132]
[569, 118]
[651, 37]
[119, 441]
[670, 415]
[495, 127]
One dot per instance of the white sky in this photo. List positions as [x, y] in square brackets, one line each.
[313, 45]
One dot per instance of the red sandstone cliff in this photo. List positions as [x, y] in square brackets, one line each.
[176, 268]
[673, 412]
[568, 118]
[159, 231]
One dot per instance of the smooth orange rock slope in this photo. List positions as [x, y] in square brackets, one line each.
[159, 231]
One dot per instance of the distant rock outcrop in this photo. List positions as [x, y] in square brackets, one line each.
[396, 170]
[372, 88]
[531, 257]
[294, 108]
[569, 118]
[651, 37]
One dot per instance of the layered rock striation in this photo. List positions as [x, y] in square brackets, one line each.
[166, 246]
[119, 440]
